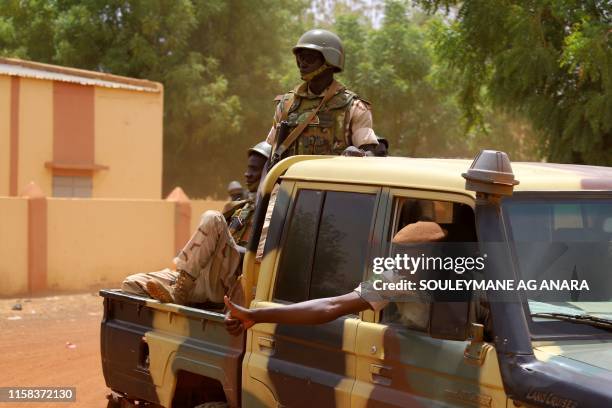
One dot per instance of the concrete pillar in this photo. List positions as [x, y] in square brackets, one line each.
[182, 217]
[37, 237]
[14, 136]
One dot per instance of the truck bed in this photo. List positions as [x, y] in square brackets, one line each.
[168, 354]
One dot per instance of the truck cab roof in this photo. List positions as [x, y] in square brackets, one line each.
[445, 174]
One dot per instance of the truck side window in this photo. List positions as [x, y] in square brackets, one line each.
[326, 245]
[342, 244]
[298, 249]
[458, 221]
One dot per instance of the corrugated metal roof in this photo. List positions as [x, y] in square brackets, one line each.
[445, 174]
[29, 69]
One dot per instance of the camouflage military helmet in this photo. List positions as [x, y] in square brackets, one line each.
[264, 148]
[234, 186]
[327, 43]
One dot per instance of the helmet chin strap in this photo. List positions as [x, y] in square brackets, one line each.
[309, 76]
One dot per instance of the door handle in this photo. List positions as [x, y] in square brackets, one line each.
[379, 369]
[381, 374]
[265, 342]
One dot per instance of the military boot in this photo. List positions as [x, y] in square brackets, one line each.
[178, 293]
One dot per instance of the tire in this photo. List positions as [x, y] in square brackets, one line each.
[117, 401]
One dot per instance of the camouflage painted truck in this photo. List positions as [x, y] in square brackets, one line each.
[333, 216]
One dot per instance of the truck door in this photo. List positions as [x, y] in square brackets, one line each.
[397, 363]
[323, 249]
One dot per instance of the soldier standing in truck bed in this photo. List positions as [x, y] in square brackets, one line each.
[321, 116]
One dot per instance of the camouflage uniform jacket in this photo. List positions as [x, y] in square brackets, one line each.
[344, 121]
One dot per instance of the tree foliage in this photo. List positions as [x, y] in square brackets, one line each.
[549, 60]
[415, 104]
[223, 62]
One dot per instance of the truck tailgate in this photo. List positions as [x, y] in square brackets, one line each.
[145, 344]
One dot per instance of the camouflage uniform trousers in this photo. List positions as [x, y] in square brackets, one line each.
[211, 257]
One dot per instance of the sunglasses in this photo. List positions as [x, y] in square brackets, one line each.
[307, 57]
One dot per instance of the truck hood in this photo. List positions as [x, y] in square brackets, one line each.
[597, 354]
[594, 353]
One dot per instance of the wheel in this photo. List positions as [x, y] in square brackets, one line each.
[116, 400]
[113, 401]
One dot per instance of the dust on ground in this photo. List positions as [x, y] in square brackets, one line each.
[53, 341]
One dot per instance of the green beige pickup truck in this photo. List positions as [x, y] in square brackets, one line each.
[331, 218]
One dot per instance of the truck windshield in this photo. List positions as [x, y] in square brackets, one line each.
[563, 248]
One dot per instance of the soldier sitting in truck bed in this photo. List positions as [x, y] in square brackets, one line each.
[208, 265]
[236, 193]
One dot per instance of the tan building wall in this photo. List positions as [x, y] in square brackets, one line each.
[100, 134]
[58, 121]
[13, 246]
[5, 134]
[128, 129]
[35, 133]
[97, 242]
[88, 244]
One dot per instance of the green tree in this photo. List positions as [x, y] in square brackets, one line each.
[548, 60]
[415, 101]
[252, 44]
[389, 67]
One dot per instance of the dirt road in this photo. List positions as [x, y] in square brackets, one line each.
[53, 341]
